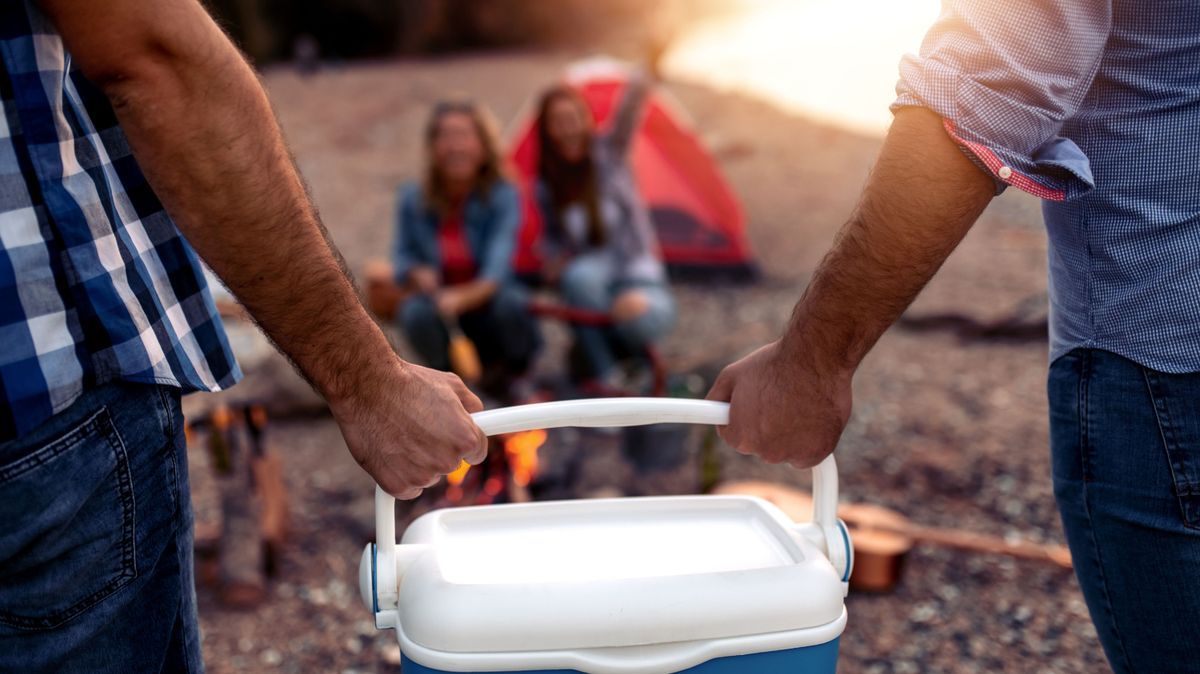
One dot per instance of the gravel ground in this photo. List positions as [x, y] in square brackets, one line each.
[950, 432]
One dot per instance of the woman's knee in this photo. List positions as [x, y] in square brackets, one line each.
[509, 303]
[654, 318]
[630, 305]
[419, 317]
[509, 310]
[586, 283]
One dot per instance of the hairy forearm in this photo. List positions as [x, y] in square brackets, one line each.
[920, 200]
[203, 132]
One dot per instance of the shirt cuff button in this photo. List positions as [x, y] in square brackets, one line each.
[1005, 173]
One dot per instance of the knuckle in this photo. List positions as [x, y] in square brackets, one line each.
[448, 464]
[468, 436]
[723, 379]
[396, 487]
[471, 402]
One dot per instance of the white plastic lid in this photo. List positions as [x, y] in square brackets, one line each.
[610, 573]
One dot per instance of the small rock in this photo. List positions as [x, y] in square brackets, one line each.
[318, 596]
[923, 613]
[390, 654]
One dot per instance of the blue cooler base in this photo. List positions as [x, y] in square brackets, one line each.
[819, 659]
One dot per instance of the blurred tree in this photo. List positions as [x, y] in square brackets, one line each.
[246, 21]
[270, 30]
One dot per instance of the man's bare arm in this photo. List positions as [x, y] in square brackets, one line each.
[201, 127]
[791, 399]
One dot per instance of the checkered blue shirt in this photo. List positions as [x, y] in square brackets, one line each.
[1095, 107]
[96, 282]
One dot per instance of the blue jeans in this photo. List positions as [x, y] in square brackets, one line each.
[1126, 460]
[96, 539]
[503, 331]
[588, 282]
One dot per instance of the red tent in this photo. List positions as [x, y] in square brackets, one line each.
[699, 220]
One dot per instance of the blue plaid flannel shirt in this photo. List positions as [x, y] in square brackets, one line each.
[96, 282]
[1094, 107]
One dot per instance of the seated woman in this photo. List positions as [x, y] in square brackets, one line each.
[455, 235]
[597, 239]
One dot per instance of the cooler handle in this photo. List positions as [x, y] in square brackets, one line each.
[606, 412]
[610, 412]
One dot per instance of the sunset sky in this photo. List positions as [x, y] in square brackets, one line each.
[834, 60]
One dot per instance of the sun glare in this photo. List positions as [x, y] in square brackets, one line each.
[834, 60]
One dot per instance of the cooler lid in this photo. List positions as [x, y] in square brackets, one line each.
[610, 573]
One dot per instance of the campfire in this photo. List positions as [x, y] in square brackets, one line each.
[506, 475]
[522, 451]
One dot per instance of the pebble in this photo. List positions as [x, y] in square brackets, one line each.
[948, 592]
[923, 613]
[390, 654]
[318, 596]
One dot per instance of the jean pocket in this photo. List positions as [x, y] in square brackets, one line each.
[67, 539]
[1177, 404]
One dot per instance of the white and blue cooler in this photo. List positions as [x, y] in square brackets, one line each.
[698, 584]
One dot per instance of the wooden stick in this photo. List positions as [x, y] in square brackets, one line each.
[973, 542]
[862, 517]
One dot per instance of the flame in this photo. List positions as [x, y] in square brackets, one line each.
[522, 449]
[456, 478]
[522, 453]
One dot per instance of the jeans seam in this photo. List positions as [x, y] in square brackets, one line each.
[182, 552]
[168, 418]
[1166, 431]
[1085, 367]
[24, 465]
[164, 402]
[1085, 450]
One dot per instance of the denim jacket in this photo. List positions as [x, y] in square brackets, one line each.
[491, 222]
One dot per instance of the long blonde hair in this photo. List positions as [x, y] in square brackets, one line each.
[493, 169]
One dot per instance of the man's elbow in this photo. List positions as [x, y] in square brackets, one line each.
[126, 66]
[150, 54]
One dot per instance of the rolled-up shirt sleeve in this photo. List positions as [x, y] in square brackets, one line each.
[1004, 77]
